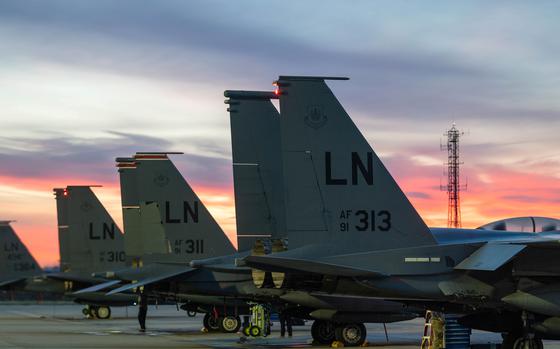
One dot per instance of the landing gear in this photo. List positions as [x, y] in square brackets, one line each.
[516, 340]
[97, 312]
[528, 343]
[103, 312]
[523, 338]
[90, 312]
[211, 322]
[230, 324]
[323, 332]
[351, 335]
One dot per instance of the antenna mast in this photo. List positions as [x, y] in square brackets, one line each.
[454, 186]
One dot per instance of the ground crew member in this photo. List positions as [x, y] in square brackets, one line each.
[285, 322]
[142, 310]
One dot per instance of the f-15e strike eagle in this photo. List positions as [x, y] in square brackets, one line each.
[348, 222]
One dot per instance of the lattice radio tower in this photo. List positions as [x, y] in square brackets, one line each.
[453, 186]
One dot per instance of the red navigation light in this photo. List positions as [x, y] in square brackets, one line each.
[65, 192]
[277, 90]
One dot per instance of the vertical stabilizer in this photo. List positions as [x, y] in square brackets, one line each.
[89, 239]
[191, 230]
[337, 189]
[16, 261]
[257, 169]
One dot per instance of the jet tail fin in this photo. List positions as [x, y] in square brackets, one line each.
[16, 262]
[337, 188]
[186, 222]
[88, 236]
[257, 171]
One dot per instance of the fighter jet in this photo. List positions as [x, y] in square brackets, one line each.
[349, 223]
[89, 241]
[331, 307]
[250, 179]
[167, 226]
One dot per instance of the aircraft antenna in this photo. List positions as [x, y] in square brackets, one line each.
[453, 187]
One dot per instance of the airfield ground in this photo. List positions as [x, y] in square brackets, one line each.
[61, 325]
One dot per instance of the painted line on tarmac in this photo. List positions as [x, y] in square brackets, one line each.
[95, 333]
[26, 314]
[127, 332]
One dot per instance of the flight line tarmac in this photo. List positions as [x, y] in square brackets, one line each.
[61, 325]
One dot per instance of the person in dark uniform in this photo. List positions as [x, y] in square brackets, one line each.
[285, 322]
[142, 311]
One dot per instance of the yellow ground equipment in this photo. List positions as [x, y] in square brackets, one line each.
[434, 326]
[259, 323]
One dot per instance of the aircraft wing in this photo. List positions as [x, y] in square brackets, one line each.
[226, 268]
[153, 279]
[10, 281]
[225, 264]
[493, 255]
[294, 265]
[209, 262]
[73, 277]
[98, 287]
[490, 256]
[544, 243]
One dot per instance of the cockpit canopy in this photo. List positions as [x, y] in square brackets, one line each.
[524, 224]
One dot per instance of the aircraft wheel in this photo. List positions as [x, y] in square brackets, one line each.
[93, 312]
[103, 312]
[230, 324]
[322, 332]
[86, 312]
[211, 323]
[352, 335]
[255, 331]
[528, 343]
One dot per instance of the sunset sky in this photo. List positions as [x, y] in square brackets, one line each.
[84, 82]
